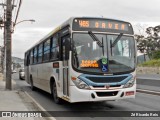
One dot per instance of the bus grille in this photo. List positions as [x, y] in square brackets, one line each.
[104, 86]
[106, 94]
[106, 79]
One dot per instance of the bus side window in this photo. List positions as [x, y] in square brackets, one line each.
[54, 48]
[35, 55]
[46, 50]
[40, 50]
[27, 59]
[31, 57]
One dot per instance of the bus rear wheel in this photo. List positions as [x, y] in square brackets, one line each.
[56, 99]
[31, 83]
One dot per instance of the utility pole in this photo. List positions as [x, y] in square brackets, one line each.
[4, 52]
[8, 28]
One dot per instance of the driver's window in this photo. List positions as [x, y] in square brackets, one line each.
[125, 48]
[94, 45]
[122, 48]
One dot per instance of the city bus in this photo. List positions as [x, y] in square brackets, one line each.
[85, 59]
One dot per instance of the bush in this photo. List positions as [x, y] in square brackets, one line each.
[151, 63]
[156, 55]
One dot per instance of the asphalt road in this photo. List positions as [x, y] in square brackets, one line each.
[148, 76]
[147, 79]
[148, 82]
[143, 102]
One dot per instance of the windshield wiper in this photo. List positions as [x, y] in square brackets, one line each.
[116, 40]
[95, 39]
[99, 43]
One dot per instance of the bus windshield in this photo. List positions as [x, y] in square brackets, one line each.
[88, 56]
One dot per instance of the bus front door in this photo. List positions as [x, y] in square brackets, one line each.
[65, 57]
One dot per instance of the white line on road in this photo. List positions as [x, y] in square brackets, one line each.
[39, 106]
[148, 92]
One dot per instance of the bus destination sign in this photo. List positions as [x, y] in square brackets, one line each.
[102, 25]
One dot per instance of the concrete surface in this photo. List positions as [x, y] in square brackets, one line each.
[147, 87]
[148, 70]
[16, 101]
[149, 76]
[10, 101]
[148, 82]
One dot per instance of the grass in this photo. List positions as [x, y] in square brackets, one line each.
[151, 63]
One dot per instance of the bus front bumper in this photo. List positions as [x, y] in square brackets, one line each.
[81, 95]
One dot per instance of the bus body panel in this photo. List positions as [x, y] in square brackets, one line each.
[80, 95]
[44, 73]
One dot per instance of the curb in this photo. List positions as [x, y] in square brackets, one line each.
[148, 92]
[142, 78]
[40, 107]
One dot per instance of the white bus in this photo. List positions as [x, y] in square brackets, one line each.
[85, 59]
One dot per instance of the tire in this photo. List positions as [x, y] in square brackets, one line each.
[20, 77]
[31, 83]
[56, 99]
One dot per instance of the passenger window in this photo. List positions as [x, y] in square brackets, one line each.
[46, 52]
[35, 55]
[31, 57]
[54, 48]
[40, 50]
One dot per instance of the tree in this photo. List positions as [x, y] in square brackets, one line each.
[156, 54]
[150, 43]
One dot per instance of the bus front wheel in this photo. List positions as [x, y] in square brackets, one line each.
[54, 94]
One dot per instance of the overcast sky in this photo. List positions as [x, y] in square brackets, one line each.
[51, 13]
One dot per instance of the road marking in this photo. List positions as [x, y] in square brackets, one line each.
[148, 92]
[40, 107]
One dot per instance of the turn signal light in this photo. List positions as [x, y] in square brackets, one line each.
[56, 65]
[73, 78]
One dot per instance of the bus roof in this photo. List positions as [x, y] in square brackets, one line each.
[69, 22]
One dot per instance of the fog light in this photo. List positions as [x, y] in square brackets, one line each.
[93, 96]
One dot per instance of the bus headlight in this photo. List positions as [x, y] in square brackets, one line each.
[130, 83]
[80, 84]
